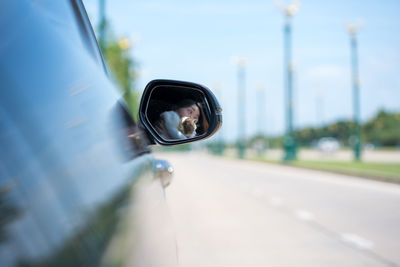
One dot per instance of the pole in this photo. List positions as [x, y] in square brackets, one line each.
[241, 145]
[356, 97]
[319, 108]
[260, 143]
[288, 142]
[219, 150]
[260, 110]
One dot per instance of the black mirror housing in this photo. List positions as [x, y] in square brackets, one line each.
[161, 112]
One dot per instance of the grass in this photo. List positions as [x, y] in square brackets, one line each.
[381, 171]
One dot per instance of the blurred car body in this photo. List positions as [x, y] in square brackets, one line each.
[328, 145]
[78, 183]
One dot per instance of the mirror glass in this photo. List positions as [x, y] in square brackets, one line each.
[178, 112]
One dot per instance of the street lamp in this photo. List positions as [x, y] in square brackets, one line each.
[260, 142]
[241, 74]
[319, 108]
[260, 109]
[220, 146]
[289, 143]
[353, 29]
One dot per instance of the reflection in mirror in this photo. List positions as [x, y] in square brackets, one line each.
[178, 112]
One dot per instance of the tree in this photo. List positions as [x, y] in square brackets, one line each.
[121, 66]
[123, 71]
[384, 129]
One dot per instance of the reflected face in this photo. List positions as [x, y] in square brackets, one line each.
[190, 111]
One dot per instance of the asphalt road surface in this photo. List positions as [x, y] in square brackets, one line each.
[229, 212]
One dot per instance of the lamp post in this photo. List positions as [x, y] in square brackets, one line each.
[219, 150]
[241, 143]
[352, 29]
[319, 108]
[289, 143]
[260, 143]
[260, 109]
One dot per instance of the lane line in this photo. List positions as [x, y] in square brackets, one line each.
[304, 215]
[357, 241]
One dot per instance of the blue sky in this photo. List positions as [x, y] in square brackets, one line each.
[198, 41]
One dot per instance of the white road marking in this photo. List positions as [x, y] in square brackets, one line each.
[304, 215]
[357, 241]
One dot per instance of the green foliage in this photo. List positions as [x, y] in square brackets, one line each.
[122, 70]
[341, 130]
[216, 147]
[268, 142]
[119, 63]
[381, 171]
[382, 130]
[121, 66]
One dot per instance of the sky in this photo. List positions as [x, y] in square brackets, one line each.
[199, 41]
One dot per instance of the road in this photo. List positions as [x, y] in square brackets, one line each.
[229, 212]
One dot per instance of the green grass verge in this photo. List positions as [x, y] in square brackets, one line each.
[380, 171]
[367, 169]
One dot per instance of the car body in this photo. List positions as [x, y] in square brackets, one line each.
[78, 183]
[328, 145]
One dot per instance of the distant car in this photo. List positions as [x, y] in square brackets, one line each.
[369, 146]
[328, 145]
[78, 183]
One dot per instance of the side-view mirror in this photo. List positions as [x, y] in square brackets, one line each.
[177, 112]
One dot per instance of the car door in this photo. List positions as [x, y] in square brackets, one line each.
[77, 180]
